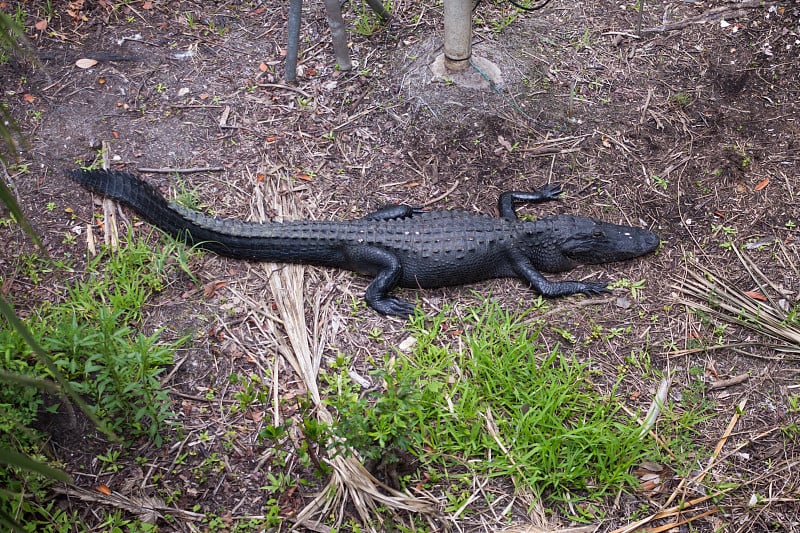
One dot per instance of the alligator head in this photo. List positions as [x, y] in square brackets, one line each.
[577, 240]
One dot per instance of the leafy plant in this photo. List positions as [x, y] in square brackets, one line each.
[14, 423]
[91, 341]
[86, 347]
[378, 422]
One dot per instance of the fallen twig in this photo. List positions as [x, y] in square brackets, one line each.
[110, 207]
[655, 409]
[173, 170]
[730, 382]
[717, 449]
[671, 525]
[286, 87]
[672, 511]
[445, 194]
[712, 15]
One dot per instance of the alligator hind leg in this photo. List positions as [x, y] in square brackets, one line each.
[388, 271]
[552, 289]
[393, 212]
[505, 204]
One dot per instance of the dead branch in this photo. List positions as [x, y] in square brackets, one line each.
[730, 382]
[732, 11]
[174, 170]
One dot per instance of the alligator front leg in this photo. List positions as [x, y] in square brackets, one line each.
[552, 289]
[505, 204]
[388, 271]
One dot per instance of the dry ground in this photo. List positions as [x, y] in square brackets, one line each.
[689, 128]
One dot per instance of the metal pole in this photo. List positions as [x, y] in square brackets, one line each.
[379, 10]
[295, 10]
[338, 35]
[457, 34]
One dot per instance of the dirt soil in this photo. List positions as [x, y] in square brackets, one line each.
[690, 127]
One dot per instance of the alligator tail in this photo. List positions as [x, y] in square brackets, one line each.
[271, 241]
[140, 196]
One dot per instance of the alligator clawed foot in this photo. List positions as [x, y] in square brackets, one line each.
[393, 307]
[595, 288]
[551, 191]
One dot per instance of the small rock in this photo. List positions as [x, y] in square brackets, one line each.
[406, 344]
[623, 303]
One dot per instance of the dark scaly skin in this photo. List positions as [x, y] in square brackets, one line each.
[401, 245]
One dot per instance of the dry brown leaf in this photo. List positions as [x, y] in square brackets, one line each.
[74, 10]
[761, 184]
[85, 63]
[147, 4]
[28, 98]
[210, 288]
[650, 466]
[755, 295]
[41, 25]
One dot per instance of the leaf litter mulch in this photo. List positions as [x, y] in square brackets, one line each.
[683, 118]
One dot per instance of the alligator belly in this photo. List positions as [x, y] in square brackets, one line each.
[439, 273]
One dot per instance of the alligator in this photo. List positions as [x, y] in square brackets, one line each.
[400, 245]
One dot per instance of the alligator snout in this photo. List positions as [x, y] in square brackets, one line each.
[651, 240]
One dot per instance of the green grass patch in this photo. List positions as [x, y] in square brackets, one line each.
[507, 406]
[494, 401]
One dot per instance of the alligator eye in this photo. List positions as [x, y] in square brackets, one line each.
[597, 234]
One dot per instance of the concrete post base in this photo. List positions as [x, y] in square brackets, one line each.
[468, 77]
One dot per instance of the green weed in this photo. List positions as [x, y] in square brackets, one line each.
[635, 287]
[115, 368]
[367, 22]
[376, 423]
[660, 182]
[681, 99]
[89, 332]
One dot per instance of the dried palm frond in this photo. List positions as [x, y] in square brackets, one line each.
[765, 311]
[350, 481]
[148, 509]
